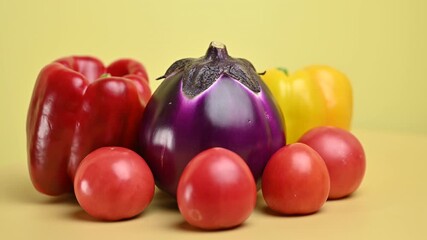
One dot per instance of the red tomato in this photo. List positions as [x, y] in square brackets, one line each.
[216, 190]
[113, 183]
[343, 155]
[295, 180]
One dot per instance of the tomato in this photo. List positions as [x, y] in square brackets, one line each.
[295, 180]
[216, 190]
[113, 183]
[344, 156]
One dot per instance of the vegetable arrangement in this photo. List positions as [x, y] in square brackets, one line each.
[207, 136]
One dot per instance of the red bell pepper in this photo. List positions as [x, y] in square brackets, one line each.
[75, 109]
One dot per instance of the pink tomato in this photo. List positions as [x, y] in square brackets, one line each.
[113, 183]
[344, 156]
[216, 190]
[295, 180]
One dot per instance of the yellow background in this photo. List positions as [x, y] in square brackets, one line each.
[380, 45]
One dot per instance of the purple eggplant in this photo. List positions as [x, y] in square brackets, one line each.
[211, 101]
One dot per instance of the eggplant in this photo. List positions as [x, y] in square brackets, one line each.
[212, 101]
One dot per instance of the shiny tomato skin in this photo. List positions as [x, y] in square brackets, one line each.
[344, 156]
[113, 183]
[295, 181]
[216, 190]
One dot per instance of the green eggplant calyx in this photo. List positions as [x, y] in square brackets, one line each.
[198, 74]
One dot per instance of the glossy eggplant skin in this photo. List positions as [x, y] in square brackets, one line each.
[176, 127]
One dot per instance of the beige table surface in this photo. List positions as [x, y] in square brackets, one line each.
[390, 204]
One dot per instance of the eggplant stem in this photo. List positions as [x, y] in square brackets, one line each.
[217, 44]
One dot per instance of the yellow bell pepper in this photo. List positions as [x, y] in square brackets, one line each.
[314, 96]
